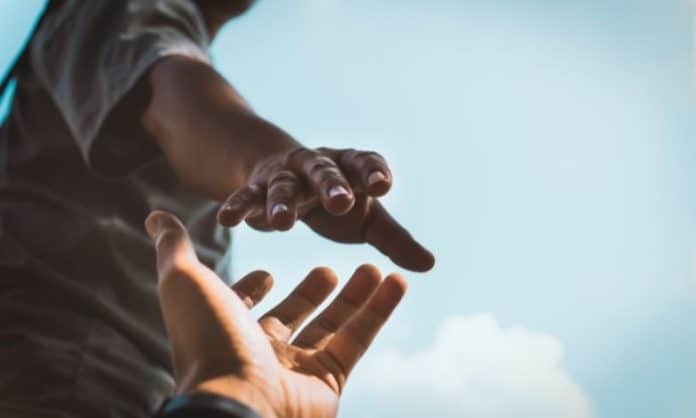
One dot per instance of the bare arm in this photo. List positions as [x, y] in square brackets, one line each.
[209, 134]
[219, 147]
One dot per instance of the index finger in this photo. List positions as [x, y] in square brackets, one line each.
[253, 287]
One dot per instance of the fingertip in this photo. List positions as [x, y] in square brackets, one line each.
[368, 272]
[427, 262]
[159, 221]
[268, 283]
[261, 282]
[396, 284]
[323, 275]
[317, 285]
[152, 224]
[420, 261]
[228, 217]
[388, 295]
[361, 285]
[378, 184]
[259, 276]
[283, 220]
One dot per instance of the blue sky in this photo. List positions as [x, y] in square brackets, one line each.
[544, 151]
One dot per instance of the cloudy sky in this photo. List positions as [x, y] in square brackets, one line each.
[544, 150]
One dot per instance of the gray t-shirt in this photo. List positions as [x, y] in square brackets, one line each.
[80, 327]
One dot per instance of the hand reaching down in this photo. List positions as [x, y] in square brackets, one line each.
[218, 347]
[334, 192]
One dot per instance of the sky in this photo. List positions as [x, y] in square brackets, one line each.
[541, 149]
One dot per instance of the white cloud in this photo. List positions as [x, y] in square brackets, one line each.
[474, 369]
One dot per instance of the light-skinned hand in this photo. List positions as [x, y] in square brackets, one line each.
[218, 347]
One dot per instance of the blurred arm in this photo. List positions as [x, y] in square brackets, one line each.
[207, 131]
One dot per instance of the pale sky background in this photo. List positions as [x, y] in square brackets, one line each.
[544, 150]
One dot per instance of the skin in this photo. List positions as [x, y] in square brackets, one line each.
[222, 149]
[218, 347]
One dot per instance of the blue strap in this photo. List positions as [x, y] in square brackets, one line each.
[9, 76]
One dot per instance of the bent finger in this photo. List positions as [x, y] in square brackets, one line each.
[281, 211]
[325, 178]
[367, 170]
[281, 321]
[245, 202]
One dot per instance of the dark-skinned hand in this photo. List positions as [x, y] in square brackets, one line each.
[335, 192]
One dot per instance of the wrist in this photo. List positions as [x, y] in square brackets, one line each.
[239, 390]
[263, 142]
[206, 405]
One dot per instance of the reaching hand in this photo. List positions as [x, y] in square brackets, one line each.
[334, 192]
[219, 347]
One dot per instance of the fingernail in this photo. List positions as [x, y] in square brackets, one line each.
[338, 191]
[278, 208]
[376, 177]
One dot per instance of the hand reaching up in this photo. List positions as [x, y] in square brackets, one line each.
[218, 347]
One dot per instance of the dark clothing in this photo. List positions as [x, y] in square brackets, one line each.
[80, 327]
[204, 405]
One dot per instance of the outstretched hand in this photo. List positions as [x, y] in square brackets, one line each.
[219, 347]
[334, 192]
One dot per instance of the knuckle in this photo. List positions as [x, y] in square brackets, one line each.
[347, 156]
[372, 158]
[368, 154]
[327, 179]
[246, 195]
[280, 194]
[253, 189]
[322, 166]
[299, 155]
[282, 177]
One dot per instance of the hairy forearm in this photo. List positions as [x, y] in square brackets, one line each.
[210, 136]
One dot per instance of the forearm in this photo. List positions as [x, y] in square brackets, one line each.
[210, 136]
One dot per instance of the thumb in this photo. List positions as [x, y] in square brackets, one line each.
[211, 330]
[173, 245]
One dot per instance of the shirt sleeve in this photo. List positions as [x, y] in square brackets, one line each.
[90, 54]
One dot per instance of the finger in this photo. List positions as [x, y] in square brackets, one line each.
[389, 237]
[259, 223]
[281, 321]
[253, 287]
[354, 338]
[355, 293]
[281, 211]
[173, 245]
[245, 202]
[325, 178]
[198, 309]
[367, 170]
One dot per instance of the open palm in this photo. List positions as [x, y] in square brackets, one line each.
[218, 347]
